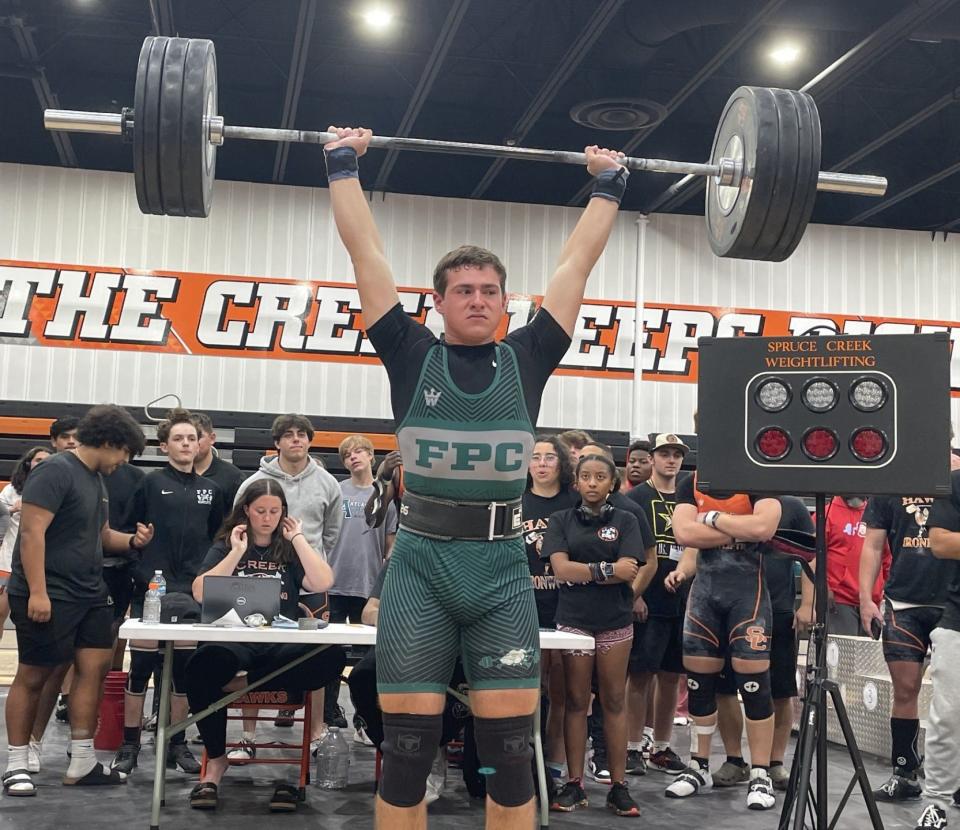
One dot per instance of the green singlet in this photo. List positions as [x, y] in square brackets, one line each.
[445, 598]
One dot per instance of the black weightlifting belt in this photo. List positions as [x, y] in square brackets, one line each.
[472, 521]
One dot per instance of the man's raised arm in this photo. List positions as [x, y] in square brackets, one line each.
[586, 243]
[378, 292]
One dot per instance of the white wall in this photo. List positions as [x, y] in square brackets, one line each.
[91, 218]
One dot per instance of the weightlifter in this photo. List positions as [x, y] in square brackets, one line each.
[465, 407]
[728, 613]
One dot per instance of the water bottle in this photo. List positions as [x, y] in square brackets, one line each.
[155, 593]
[333, 760]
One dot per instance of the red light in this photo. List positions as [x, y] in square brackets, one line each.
[868, 444]
[820, 444]
[773, 443]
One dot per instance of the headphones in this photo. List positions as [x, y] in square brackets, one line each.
[586, 517]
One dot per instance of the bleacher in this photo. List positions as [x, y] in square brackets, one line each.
[242, 437]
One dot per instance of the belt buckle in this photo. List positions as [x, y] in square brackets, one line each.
[492, 507]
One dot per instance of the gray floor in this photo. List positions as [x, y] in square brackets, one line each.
[246, 791]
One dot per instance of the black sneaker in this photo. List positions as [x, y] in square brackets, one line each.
[335, 717]
[599, 768]
[62, 713]
[898, 788]
[180, 757]
[932, 816]
[125, 760]
[666, 760]
[618, 800]
[636, 764]
[571, 797]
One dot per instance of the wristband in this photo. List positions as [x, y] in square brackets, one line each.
[341, 163]
[130, 543]
[610, 184]
[711, 518]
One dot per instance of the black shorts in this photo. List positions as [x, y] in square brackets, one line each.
[657, 645]
[783, 662]
[72, 625]
[906, 633]
[728, 614]
[120, 586]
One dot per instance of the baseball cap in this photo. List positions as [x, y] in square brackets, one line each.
[668, 439]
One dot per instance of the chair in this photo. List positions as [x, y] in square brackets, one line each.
[275, 699]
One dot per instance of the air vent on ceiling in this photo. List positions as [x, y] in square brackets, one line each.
[618, 113]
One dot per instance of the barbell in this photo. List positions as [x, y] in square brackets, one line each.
[762, 177]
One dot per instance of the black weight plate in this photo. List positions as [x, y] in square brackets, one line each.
[171, 111]
[140, 172]
[784, 187]
[198, 155]
[146, 127]
[749, 130]
[806, 193]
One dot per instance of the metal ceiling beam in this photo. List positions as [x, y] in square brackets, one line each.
[568, 64]
[872, 48]
[298, 67]
[745, 29]
[946, 173]
[430, 71]
[46, 97]
[161, 16]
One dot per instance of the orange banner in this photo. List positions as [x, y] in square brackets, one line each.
[92, 307]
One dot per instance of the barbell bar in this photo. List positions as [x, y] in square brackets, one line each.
[108, 123]
[762, 177]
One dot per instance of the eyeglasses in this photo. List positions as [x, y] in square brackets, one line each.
[547, 458]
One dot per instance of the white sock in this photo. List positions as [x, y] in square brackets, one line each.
[82, 758]
[248, 736]
[16, 757]
[659, 746]
[648, 731]
[636, 746]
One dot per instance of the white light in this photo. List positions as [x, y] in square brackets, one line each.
[868, 395]
[820, 396]
[785, 54]
[773, 396]
[378, 18]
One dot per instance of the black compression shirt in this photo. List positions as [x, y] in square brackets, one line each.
[401, 343]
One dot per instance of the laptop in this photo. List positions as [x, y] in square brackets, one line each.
[244, 594]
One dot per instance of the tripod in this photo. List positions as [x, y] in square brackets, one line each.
[801, 797]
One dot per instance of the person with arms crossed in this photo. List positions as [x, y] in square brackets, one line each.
[465, 408]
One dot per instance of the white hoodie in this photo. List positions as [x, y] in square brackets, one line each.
[313, 496]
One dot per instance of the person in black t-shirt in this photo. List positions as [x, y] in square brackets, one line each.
[465, 407]
[728, 613]
[914, 595]
[549, 483]
[186, 512]
[942, 741]
[658, 617]
[209, 465]
[595, 550]
[58, 599]
[258, 540]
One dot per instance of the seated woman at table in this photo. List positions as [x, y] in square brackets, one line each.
[258, 539]
[595, 551]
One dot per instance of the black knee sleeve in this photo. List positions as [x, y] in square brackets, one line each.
[178, 672]
[504, 747]
[409, 746]
[755, 694]
[141, 667]
[702, 694]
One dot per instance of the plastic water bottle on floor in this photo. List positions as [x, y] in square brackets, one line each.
[155, 593]
[333, 760]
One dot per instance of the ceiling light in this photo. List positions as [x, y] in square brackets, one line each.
[378, 18]
[785, 54]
